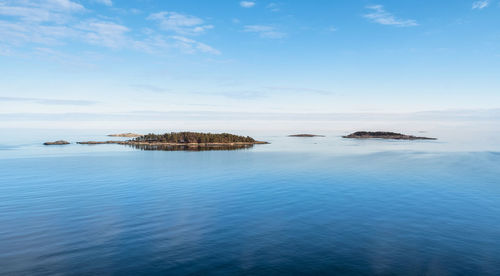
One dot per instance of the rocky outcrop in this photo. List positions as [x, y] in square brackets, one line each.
[384, 135]
[305, 135]
[59, 142]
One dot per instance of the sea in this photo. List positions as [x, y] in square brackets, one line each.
[297, 206]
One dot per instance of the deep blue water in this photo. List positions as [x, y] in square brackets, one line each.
[288, 208]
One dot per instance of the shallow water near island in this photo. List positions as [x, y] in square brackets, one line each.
[322, 205]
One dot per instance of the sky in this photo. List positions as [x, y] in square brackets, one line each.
[101, 59]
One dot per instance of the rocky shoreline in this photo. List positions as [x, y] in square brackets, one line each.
[305, 135]
[171, 144]
[384, 135]
[59, 142]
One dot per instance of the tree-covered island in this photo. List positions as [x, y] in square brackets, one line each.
[195, 137]
[384, 135]
[186, 140]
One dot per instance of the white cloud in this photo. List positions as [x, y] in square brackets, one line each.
[107, 34]
[38, 25]
[5, 51]
[108, 3]
[21, 33]
[298, 89]
[380, 16]
[191, 46]
[332, 29]
[40, 11]
[159, 45]
[66, 5]
[247, 4]
[264, 31]
[47, 101]
[149, 88]
[26, 13]
[480, 4]
[273, 7]
[180, 23]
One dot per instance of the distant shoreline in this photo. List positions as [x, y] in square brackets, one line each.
[129, 135]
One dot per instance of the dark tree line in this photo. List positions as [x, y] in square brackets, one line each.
[193, 137]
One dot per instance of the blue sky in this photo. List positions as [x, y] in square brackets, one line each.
[110, 56]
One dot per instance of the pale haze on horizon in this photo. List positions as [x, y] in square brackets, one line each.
[93, 63]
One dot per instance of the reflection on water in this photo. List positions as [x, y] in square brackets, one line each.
[294, 207]
[189, 147]
[250, 213]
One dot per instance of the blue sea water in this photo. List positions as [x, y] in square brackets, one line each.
[318, 206]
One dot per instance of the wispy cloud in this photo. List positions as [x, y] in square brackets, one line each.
[25, 32]
[48, 23]
[65, 4]
[149, 88]
[180, 23]
[298, 89]
[108, 3]
[158, 44]
[102, 33]
[4, 51]
[486, 115]
[332, 29]
[265, 91]
[107, 34]
[191, 46]
[47, 101]
[239, 94]
[83, 60]
[378, 15]
[273, 7]
[479, 5]
[247, 4]
[40, 11]
[264, 31]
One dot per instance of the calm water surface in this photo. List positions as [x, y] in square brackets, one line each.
[298, 206]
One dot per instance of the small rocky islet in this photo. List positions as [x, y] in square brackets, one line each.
[58, 142]
[305, 135]
[384, 135]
